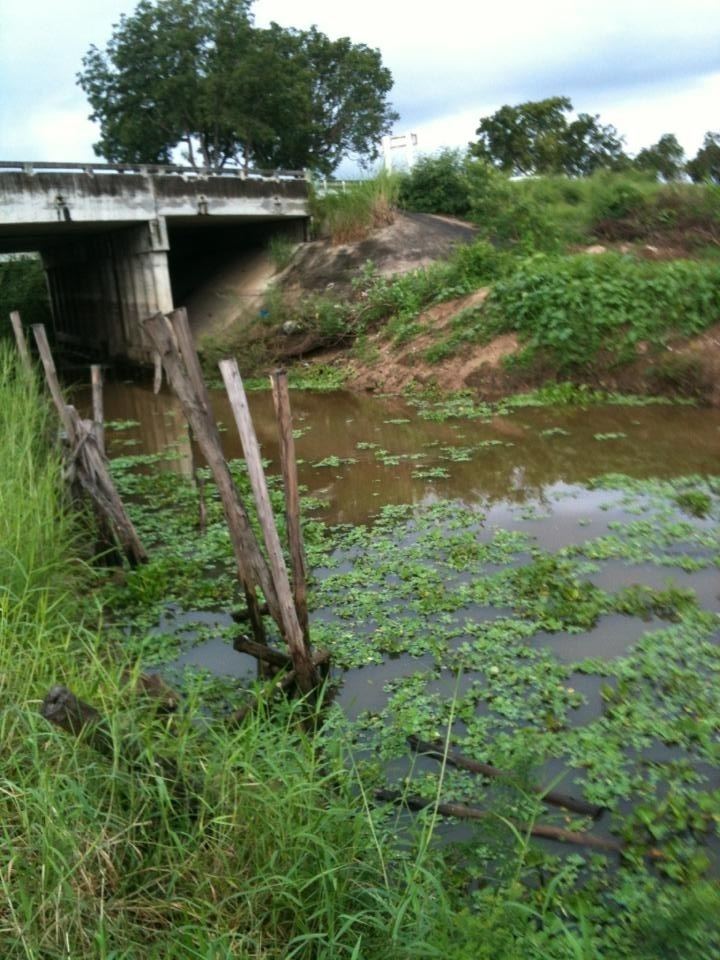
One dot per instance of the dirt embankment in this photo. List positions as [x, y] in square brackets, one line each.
[411, 241]
[690, 368]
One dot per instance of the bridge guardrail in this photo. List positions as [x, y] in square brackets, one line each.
[40, 166]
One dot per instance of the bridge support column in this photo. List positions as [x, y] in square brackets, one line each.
[102, 287]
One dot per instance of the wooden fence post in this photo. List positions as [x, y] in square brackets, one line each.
[90, 464]
[97, 405]
[53, 383]
[305, 669]
[252, 569]
[288, 466]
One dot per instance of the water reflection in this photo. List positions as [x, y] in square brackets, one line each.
[378, 450]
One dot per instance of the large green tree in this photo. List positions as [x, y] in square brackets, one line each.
[199, 74]
[536, 137]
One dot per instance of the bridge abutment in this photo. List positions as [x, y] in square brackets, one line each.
[101, 230]
[103, 286]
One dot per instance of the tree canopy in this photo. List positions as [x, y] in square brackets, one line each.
[705, 165]
[536, 137]
[199, 73]
[666, 158]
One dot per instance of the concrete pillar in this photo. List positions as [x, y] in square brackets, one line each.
[103, 286]
[140, 263]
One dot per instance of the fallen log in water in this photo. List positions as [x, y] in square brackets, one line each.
[436, 750]
[464, 812]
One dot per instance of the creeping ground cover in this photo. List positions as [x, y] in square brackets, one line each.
[564, 632]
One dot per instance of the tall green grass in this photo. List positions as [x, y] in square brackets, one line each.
[273, 850]
[349, 214]
[36, 531]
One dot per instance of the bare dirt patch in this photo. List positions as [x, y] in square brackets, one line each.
[389, 368]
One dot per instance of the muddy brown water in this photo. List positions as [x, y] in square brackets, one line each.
[529, 471]
[524, 466]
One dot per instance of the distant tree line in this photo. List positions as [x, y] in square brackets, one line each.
[538, 137]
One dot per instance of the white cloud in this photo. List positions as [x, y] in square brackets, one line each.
[648, 67]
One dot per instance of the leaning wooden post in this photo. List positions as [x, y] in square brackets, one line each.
[97, 405]
[91, 466]
[288, 466]
[20, 340]
[185, 343]
[305, 669]
[94, 476]
[52, 381]
[251, 565]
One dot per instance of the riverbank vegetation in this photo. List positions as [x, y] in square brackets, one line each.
[612, 280]
[276, 847]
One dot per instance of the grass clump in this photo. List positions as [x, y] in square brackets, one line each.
[349, 213]
[36, 532]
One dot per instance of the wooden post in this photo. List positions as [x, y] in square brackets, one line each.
[97, 405]
[186, 345]
[94, 476]
[20, 340]
[89, 462]
[288, 466]
[252, 569]
[180, 325]
[52, 381]
[308, 678]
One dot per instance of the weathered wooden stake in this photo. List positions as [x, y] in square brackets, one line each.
[252, 569]
[308, 678]
[185, 343]
[87, 460]
[94, 477]
[52, 381]
[97, 405]
[288, 467]
[20, 340]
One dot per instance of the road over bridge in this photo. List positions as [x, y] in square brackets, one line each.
[121, 242]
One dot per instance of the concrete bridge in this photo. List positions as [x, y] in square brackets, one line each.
[121, 242]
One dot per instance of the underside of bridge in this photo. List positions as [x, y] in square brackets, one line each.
[110, 262]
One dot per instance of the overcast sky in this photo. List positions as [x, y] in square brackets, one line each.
[647, 66]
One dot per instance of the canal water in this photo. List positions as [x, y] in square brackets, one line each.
[527, 474]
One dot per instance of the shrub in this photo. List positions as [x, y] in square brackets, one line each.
[22, 287]
[507, 214]
[574, 308]
[437, 184]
